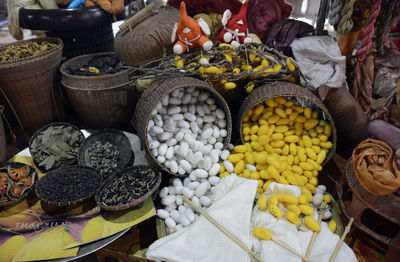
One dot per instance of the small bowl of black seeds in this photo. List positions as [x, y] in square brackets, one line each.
[128, 188]
[68, 186]
[108, 151]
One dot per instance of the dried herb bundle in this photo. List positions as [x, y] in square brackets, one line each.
[68, 184]
[56, 146]
[15, 180]
[103, 157]
[129, 185]
[14, 52]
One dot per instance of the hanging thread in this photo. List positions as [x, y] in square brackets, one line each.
[368, 31]
[384, 24]
[346, 23]
[334, 15]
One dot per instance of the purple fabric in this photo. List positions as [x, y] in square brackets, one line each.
[261, 14]
[282, 33]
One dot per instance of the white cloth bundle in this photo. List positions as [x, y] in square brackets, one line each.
[320, 62]
[202, 241]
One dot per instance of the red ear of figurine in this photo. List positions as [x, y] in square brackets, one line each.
[190, 34]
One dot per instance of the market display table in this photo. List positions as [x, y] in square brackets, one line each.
[67, 233]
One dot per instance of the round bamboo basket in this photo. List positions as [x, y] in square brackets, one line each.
[34, 177]
[286, 89]
[2, 137]
[137, 201]
[148, 40]
[35, 135]
[100, 101]
[153, 95]
[28, 84]
[64, 171]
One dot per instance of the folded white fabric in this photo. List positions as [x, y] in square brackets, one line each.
[202, 241]
[320, 62]
[287, 233]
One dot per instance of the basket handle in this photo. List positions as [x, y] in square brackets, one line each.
[16, 116]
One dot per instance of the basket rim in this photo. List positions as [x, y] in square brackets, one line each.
[78, 58]
[44, 128]
[124, 85]
[196, 85]
[71, 202]
[311, 97]
[35, 58]
[95, 135]
[27, 192]
[139, 200]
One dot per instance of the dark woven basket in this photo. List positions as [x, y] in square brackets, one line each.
[29, 83]
[65, 171]
[351, 121]
[100, 101]
[34, 136]
[153, 95]
[115, 137]
[285, 89]
[136, 202]
[26, 193]
[149, 40]
[86, 41]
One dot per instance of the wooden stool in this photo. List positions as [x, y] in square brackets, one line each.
[376, 215]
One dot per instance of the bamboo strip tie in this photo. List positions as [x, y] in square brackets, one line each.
[339, 244]
[314, 235]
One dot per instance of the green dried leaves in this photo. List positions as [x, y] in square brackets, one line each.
[56, 146]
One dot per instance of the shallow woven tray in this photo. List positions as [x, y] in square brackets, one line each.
[136, 202]
[26, 193]
[34, 136]
[153, 95]
[286, 89]
[64, 171]
[113, 136]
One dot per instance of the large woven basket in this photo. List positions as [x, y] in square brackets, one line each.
[153, 95]
[351, 121]
[148, 40]
[100, 101]
[28, 84]
[285, 89]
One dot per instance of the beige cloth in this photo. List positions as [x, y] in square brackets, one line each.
[13, 13]
[375, 167]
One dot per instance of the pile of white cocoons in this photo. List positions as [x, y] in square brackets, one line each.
[178, 214]
[186, 133]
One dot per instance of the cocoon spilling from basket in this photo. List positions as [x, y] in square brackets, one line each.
[287, 136]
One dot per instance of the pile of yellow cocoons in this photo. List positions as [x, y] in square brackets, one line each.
[284, 143]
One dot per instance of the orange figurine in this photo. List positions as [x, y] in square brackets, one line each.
[189, 33]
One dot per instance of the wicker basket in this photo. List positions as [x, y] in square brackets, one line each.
[100, 101]
[153, 96]
[285, 89]
[148, 40]
[64, 171]
[28, 84]
[351, 121]
[137, 201]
